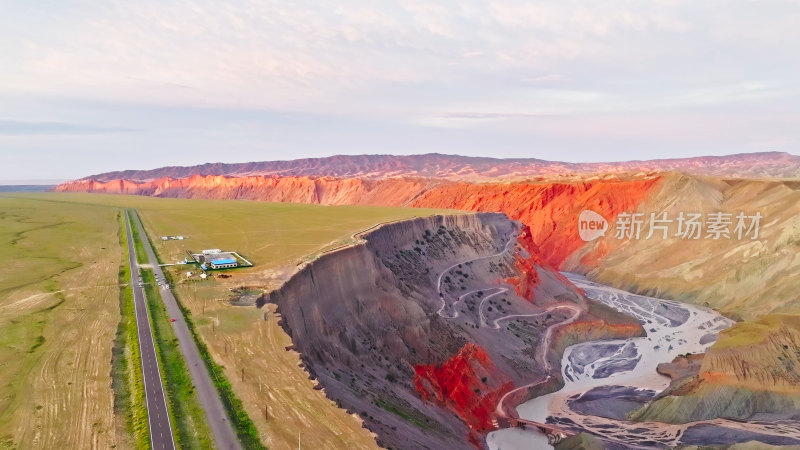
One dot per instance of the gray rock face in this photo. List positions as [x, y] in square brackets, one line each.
[365, 318]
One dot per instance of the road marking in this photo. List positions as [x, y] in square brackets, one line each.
[133, 262]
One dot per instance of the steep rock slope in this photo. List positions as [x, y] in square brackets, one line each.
[739, 277]
[551, 210]
[417, 331]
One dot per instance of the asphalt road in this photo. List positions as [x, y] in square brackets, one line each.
[157, 413]
[224, 436]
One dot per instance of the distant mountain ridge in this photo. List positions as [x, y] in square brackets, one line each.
[456, 167]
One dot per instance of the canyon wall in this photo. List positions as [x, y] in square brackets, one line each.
[425, 363]
[743, 278]
[299, 189]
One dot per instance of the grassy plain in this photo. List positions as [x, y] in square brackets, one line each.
[247, 341]
[59, 310]
[126, 379]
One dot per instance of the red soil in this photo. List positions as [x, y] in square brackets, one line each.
[526, 258]
[459, 385]
[550, 209]
[524, 285]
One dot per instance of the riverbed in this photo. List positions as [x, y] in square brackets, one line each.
[613, 376]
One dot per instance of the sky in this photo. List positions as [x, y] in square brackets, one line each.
[89, 87]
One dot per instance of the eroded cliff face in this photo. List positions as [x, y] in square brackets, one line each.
[551, 210]
[755, 355]
[419, 332]
[740, 277]
[299, 189]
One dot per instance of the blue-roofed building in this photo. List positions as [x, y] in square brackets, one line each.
[223, 263]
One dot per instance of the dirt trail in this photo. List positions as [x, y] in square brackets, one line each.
[544, 346]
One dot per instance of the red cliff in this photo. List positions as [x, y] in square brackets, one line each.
[550, 209]
[468, 383]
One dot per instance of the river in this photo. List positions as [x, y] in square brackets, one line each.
[616, 371]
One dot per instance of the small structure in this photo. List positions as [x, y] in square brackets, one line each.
[223, 263]
[214, 259]
[203, 276]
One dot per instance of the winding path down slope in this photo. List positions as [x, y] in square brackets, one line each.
[502, 410]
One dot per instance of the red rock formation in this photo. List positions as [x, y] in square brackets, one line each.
[550, 209]
[526, 258]
[468, 383]
[323, 190]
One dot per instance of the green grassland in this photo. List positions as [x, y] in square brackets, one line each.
[264, 233]
[274, 236]
[127, 383]
[59, 308]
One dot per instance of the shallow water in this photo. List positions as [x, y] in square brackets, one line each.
[673, 328]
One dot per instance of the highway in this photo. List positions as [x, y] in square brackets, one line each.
[157, 413]
[224, 435]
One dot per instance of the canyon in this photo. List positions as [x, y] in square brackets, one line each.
[423, 327]
[442, 342]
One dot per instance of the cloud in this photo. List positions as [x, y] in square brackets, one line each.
[663, 76]
[274, 54]
[18, 128]
[491, 115]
